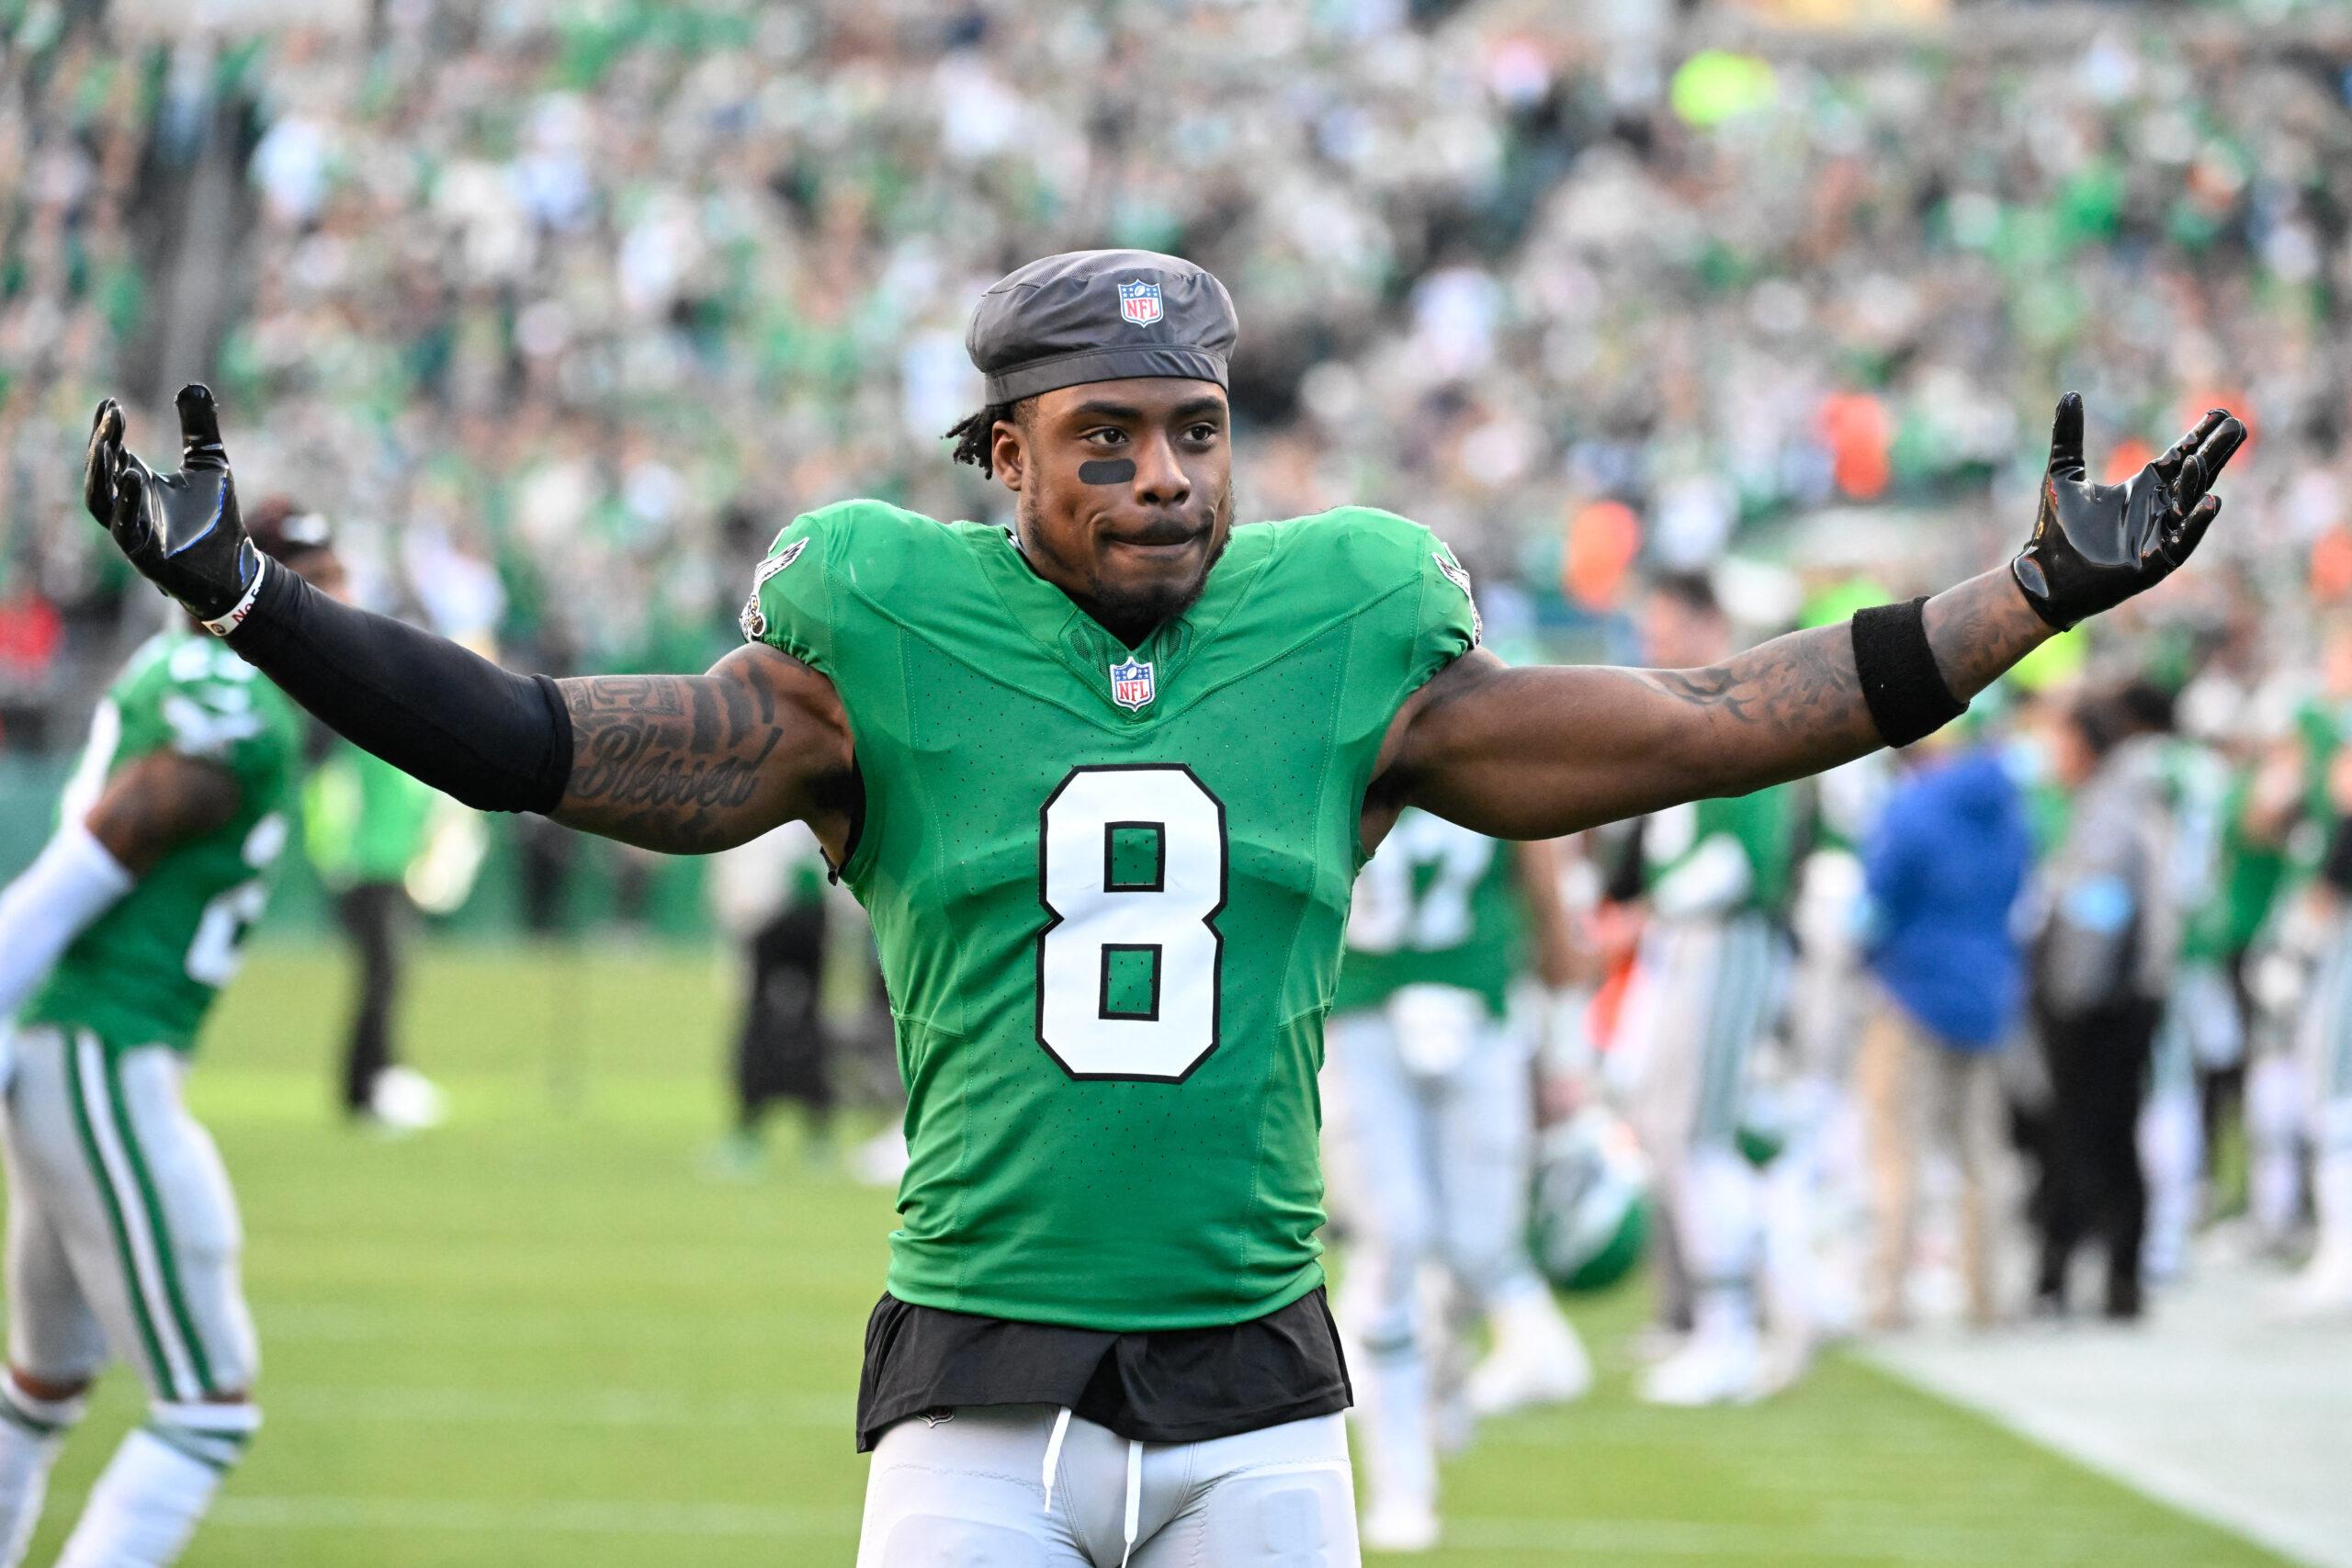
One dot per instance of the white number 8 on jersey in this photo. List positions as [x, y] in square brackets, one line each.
[1131, 865]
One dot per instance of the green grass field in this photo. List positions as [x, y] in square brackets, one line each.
[542, 1336]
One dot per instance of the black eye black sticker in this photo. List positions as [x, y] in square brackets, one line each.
[1107, 471]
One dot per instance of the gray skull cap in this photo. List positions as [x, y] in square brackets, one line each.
[1101, 316]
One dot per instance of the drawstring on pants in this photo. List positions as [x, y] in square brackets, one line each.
[1054, 1455]
[1135, 1498]
[1134, 1512]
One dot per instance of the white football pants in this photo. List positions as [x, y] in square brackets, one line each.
[1028, 1486]
[123, 1236]
[1429, 1162]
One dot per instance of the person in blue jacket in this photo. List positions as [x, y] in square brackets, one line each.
[1944, 870]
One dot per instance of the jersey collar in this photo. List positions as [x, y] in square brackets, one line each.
[1079, 642]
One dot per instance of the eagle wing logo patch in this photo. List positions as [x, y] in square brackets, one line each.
[778, 561]
[754, 620]
[1461, 579]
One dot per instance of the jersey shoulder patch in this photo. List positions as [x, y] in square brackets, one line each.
[823, 559]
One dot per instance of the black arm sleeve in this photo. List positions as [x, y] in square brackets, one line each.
[494, 740]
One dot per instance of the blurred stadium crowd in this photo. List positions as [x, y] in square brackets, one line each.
[561, 318]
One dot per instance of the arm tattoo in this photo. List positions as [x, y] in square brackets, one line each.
[1794, 706]
[659, 758]
[1806, 680]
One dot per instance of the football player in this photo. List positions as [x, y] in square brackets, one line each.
[1429, 1136]
[1102, 779]
[123, 1236]
[1710, 982]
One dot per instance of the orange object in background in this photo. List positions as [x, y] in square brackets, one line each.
[2331, 566]
[2128, 459]
[1860, 435]
[1603, 538]
[2193, 408]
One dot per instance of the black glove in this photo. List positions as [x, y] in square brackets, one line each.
[2096, 546]
[181, 529]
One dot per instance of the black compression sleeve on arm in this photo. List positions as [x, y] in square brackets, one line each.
[495, 741]
[1906, 692]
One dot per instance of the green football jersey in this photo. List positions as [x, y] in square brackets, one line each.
[1763, 825]
[146, 971]
[1108, 888]
[1435, 905]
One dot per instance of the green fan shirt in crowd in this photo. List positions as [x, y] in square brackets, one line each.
[1435, 906]
[1108, 886]
[146, 971]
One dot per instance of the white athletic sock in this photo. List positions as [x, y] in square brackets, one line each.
[31, 1431]
[1723, 1313]
[1400, 1444]
[2274, 1117]
[1719, 1217]
[2172, 1154]
[2332, 1203]
[158, 1486]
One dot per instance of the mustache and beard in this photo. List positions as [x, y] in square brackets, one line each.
[1130, 610]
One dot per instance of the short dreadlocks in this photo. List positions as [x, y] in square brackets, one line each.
[975, 434]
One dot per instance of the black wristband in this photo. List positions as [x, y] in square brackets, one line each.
[1906, 692]
[497, 741]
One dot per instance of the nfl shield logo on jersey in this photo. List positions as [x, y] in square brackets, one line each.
[1131, 684]
[1139, 302]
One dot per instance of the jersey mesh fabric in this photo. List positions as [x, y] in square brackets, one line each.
[1430, 931]
[1111, 1135]
[146, 971]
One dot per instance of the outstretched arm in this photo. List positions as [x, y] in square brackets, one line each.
[1541, 752]
[689, 763]
[686, 764]
[682, 763]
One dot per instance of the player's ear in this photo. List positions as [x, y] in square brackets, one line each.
[1008, 454]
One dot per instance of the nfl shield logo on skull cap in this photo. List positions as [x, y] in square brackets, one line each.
[1139, 302]
[1131, 684]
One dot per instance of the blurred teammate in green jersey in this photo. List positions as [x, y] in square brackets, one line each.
[123, 1237]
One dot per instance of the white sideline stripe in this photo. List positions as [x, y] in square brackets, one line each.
[138, 1236]
[1612, 1539]
[2207, 1408]
[2177, 1486]
[579, 1408]
[1618, 1539]
[479, 1326]
[449, 1516]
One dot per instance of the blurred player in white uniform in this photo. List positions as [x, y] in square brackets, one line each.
[2324, 1288]
[1429, 1126]
[1709, 986]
